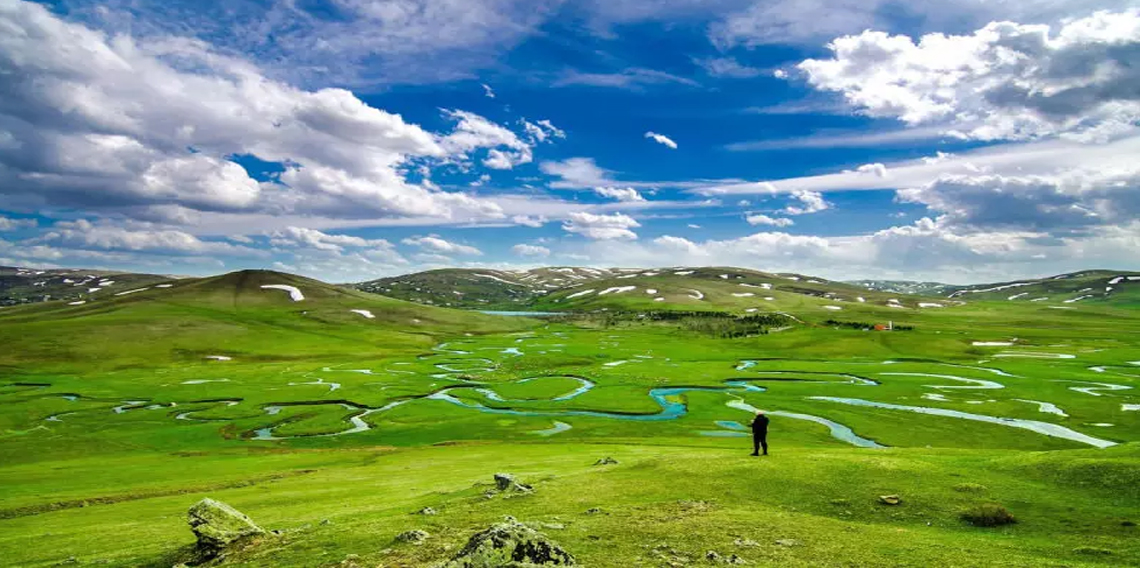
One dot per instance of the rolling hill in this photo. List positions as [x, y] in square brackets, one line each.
[29, 285]
[251, 313]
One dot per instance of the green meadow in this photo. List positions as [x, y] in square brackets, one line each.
[334, 418]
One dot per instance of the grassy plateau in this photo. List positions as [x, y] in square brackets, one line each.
[334, 415]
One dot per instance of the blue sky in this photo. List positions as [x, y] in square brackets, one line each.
[353, 139]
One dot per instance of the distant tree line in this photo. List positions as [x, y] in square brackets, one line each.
[711, 323]
[863, 326]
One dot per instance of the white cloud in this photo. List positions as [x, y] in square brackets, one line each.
[336, 244]
[601, 227]
[810, 202]
[348, 42]
[532, 251]
[661, 139]
[876, 169]
[576, 173]
[1004, 81]
[542, 131]
[1053, 157]
[435, 244]
[693, 226]
[927, 250]
[759, 219]
[488, 91]
[632, 79]
[83, 234]
[506, 149]
[106, 123]
[9, 224]
[1058, 204]
[528, 221]
[727, 67]
[619, 193]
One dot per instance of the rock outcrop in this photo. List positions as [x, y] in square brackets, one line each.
[510, 544]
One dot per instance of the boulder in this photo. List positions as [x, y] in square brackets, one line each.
[427, 511]
[508, 483]
[890, 499]
[510, 544]
[218, 525]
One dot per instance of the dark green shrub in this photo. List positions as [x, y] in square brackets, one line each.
[988, 515]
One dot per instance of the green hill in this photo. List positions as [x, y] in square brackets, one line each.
[29, 285]
[235, 314]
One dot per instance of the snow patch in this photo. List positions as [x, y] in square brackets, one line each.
[77, 303]
[992, 343]
[617, 290]
[163, 285]
[744, 295]
[580, 294]
[832, 308]
[696, 295]
[365, 313]
[1035, 355]
[929, 305]
[294, 293]
[132, 291]
[218, 358]
[1077, 299]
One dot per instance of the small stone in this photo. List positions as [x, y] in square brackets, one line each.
[413, 536]
[427, 511]
[217, 525]
[890, 499]
[596, 511]
[326, 522]
[606, 461]
[734, 559]
[746, 543]
[712, 556]
[787, 542]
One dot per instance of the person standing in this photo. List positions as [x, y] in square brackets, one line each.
[760, 433]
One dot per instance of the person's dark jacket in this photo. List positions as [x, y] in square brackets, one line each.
[760, 424]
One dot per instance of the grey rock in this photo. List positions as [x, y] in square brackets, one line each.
[413, 536]
[427, 511]
[507, 483]
[890, 499]
[510, 544]
[787, 542]
[218, 525]
[606, 461]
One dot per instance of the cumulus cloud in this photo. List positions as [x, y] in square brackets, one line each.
[602, 227]
[8, 224]
[83, 234]
[1005, 81]
[435, 244]
[661, 139]
[876, 169]
[506, 149]
[759, 219]
[619, 193]
[810, 202]
[121, 123]
[337, 244]
[531, 251]
[1071, 201]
